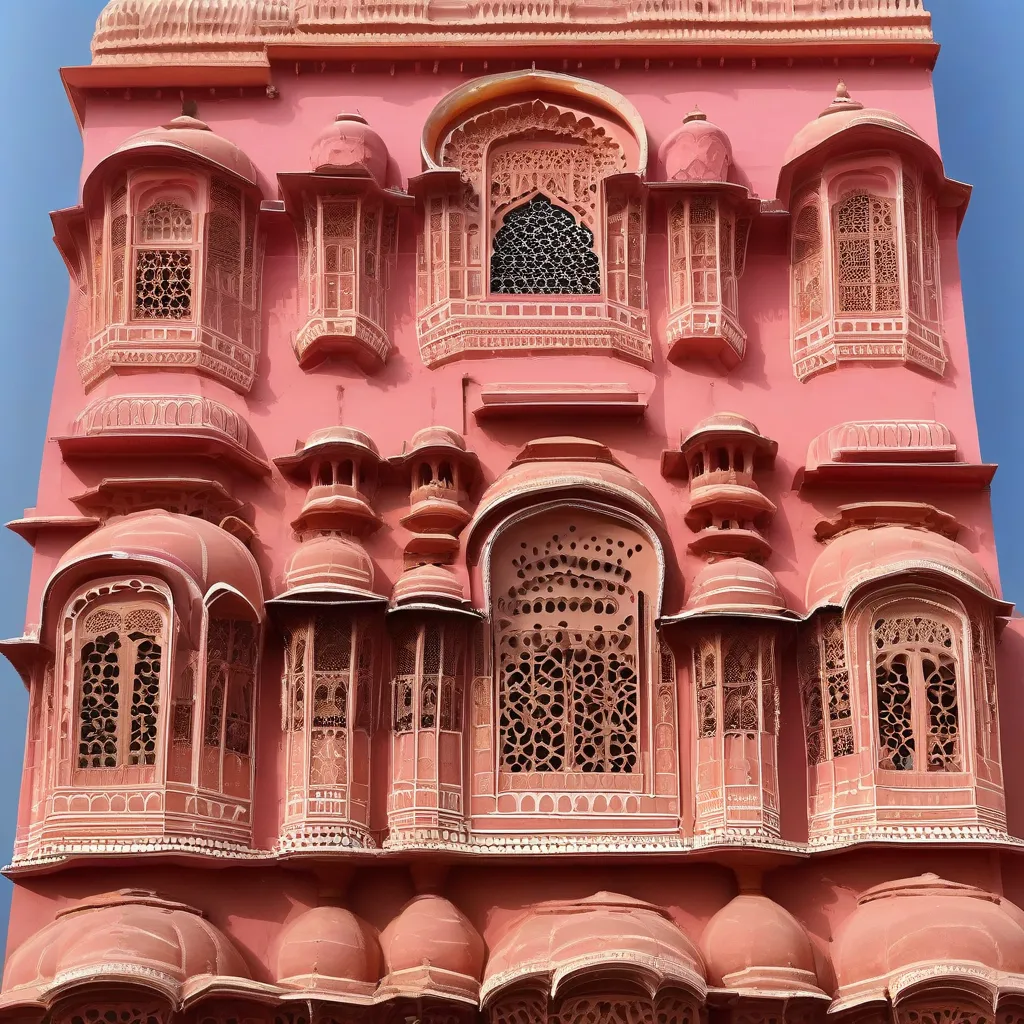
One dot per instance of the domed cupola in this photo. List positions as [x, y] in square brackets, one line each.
[697, 151]
[349, 146]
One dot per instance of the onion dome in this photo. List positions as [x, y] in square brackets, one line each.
[754, 944]
[131, 937]
[565, 942]
[190, 137]
[697, 151]
[349, 146]
[186, 549]
[328, 949]
[926, 932]
[432, 949]
[329, 567]
[861, 556]
[429, 588]
[735, 586]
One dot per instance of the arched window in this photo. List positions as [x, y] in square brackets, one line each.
[866, 254]
[807, 265]
[541, 249]
[121, 647]
[165, 260]
[916, 686]
[571, 639]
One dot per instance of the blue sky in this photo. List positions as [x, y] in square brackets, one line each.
[981, 120]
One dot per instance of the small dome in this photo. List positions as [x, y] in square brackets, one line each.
[328, 949]
[697, 151]
[723, 423]
[350, 146]
[862, 555]
[436, 437]
[922, 927]
[194, 137]
[431, 948]
[753, 943]
[130, 937]
[330, 564]
[736, 586]
[339, 435]
[207, 555]
[430, 584]
[561, 941]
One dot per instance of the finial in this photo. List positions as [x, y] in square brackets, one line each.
[695, 115]
[843, 100]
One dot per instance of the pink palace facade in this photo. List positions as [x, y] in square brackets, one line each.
[512, 543]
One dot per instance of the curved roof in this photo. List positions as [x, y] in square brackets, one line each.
[927, 931]
[327, 567]
[729, 424]
[735, 586]
[864, 555]
[459, 104]
[209, 558]
[348, 145]
[130, 937]
[561, 943]
[848, 126]
[562, 466]
[328, 949]
[754, 944]
[426, 587]
[432, 949]
[188, 137]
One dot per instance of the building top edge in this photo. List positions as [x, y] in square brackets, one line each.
[231, 32]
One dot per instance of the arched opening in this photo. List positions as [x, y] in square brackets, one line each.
[541, 249]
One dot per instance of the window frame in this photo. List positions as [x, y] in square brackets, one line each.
[145, 193]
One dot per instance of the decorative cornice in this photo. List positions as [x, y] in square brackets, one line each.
[246, 34]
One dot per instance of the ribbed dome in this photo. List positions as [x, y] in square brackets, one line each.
[331, 563]
[860, 556]
[350, 146]
[130, 937]
[556, 943]
[328, 949]
[194, 138]
[736, 586]
[697, 151]
[432, 584]
[922, 928]
[753, 943]
[431, 947]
